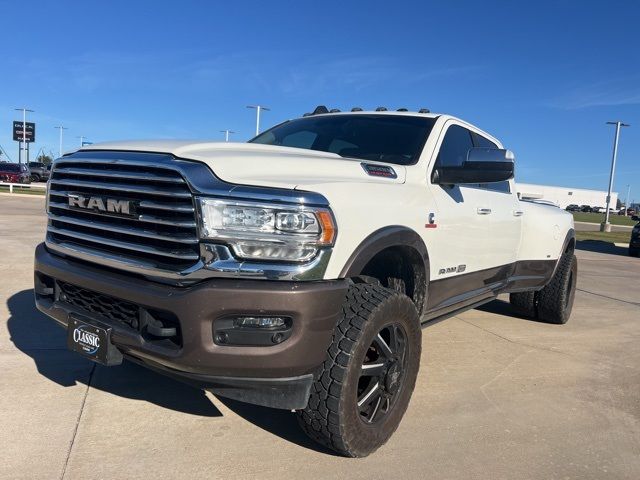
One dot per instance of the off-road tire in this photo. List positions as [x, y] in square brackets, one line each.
[555, 300]
[523, 304]
[332, 416]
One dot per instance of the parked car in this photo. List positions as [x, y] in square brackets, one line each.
[634, 243]
[627, 211]
[585, 208]
[572, 208]
[39, 171]
[603, 210]
[294, 271]
[14, 173]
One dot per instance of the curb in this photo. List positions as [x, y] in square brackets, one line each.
[597, 224]
[22, 195]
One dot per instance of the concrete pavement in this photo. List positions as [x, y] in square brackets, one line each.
[497, 396]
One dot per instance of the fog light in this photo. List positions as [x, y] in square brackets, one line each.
[260, 322]
[222, 337]
[252, 330]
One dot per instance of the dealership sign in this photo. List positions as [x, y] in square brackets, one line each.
[29, 129]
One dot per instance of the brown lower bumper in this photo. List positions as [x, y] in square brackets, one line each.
[313, 307]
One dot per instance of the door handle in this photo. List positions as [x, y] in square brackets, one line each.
[518, 213]
[484, 211]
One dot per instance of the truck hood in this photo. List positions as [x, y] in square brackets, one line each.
[263, 165]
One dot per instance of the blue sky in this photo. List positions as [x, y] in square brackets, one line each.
[542, 77]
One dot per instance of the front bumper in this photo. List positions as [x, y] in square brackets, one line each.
[277, 376]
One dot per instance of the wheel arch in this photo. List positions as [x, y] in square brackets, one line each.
[400, 241]
[569, 242]
[568, 245]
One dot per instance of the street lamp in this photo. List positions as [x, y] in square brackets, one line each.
[626, 201]
[81, 137]
[24, 133]
[226, 134]
[258, 109]
[606, 226]
[61, 128]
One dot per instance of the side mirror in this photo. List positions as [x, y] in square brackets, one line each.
[483, 165]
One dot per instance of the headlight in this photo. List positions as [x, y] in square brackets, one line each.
[267, 231]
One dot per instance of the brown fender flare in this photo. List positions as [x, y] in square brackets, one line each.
[392, 236]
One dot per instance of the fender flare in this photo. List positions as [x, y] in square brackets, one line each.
[392, 236]
[571, 235]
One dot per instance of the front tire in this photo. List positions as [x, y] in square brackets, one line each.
[364, 386]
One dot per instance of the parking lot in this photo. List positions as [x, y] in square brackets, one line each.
[497, 396]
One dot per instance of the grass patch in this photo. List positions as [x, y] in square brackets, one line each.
[599, 218]
[26, 190]
[611, 237]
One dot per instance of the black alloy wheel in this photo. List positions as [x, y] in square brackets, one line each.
[363, 388]
[382, 374]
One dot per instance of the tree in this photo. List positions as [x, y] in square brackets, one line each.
[44, 158]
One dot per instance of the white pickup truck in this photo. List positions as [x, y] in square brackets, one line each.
[295, 270]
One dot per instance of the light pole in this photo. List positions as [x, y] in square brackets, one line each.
[626, 201]
[226, 134]
[258, 109]
[24, 132]
[606, 226]
[81, 137]
[61, 128]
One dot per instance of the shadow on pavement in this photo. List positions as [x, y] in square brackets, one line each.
[282, 423]
[45, 342]
[600, 246]
[502, 307]
[42, 339]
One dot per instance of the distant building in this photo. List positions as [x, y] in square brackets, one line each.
[563, 196]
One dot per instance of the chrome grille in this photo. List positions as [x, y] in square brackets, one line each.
[162, 234]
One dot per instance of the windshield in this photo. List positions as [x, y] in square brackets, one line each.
[10, 167]
[395, 139]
